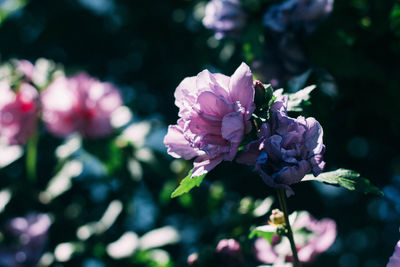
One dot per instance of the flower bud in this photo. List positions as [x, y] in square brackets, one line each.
[263, 93]
[277, 217]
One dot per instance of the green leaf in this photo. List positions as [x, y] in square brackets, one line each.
[265, 231]
[348, 179]
[298, 82]
[187, 184]
[297, 100]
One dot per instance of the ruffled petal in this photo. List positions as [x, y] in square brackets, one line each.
[184, 97]
[214, 105]
[202, 125]
[203, 164]
[313, 137]
[233, 127]
[241, 87]
[250, 154]
[273, 147]
[177, 145]
[292, 174]
[317, 163]
[207, 82]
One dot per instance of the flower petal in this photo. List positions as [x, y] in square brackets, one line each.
[292, 174]
[177, 145]
[313, 137]
[250, 154]
[183, 94]
[214, 105]
[233, 127]
[206, 81]
[203, 164]
[241, 87]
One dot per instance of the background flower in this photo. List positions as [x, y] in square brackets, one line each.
[225, 17]
[297, 15]
[18, 113]
[79, 104]
[29, 234]
[312, 237]
[286, 27]
[230, 252]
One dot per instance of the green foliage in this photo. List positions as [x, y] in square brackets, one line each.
[348, 179]
[296, 101]
[187, 184]
[298, 82]
[8, 7]
[395, 19]
[266, 231]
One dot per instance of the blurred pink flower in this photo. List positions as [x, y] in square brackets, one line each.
[79, 104]
[26, 68]
[192, 259]
[394, 260]
[312, 237]
[215, 110]
[230, 252]
[18, 113]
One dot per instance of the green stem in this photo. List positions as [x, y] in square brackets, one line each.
[31, 156]
[284, 209]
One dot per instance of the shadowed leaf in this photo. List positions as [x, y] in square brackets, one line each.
[348, 179]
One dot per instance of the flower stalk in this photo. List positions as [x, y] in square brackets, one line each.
[31, 156]
[284, 209]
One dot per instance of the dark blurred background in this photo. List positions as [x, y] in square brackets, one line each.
[146, 48]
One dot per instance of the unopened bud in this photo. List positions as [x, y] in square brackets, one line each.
[281, 230]
[263, 93]
[277, 217]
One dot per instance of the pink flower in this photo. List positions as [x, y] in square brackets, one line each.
[230, 252]
[312, 237]
[214, 111]
[26, 68]
[79, 104]
[18, 113]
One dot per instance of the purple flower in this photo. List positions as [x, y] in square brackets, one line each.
[297, 15]
[283, 58]
[287, 149]
[29, 236]
[214, 111]
[79, 104]
[230, 252]
[286, 25]
[394, 260]
[225, 17]
[312, 237]
[18, 113]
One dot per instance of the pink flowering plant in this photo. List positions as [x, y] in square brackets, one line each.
[237, 119]
[67, 105]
